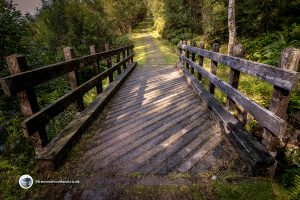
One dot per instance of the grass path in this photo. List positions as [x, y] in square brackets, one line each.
[149, 49]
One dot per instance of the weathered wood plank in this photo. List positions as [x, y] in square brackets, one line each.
[28, 101]
[279, 77]
[254, 153]
[213, 68]
[208, 146]
[53, 153]
[96, 69]
[234, 76]
[193, 56]
[39, 119]
[200, 61]
[267, 119]
[74, 77]
[187, 54]
[19, 82]
[289, 60]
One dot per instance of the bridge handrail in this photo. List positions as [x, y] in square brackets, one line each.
[276, 76]
[28, 79]
[22, 81]
[284, 78]
[41, 118]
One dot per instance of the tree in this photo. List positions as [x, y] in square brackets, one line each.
[12, 29]
[231, 26]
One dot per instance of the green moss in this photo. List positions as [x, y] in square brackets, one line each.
[253, 189]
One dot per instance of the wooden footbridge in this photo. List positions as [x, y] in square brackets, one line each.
[159, 118]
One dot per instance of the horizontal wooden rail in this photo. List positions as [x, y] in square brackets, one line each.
[53, 154]
[273, 123]
[282, 78]
[41, 118]
[21, 81]
[249, 149]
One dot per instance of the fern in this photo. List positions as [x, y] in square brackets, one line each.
[295, 190]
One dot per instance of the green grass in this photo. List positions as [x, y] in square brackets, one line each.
[224, 189]
[139, 48]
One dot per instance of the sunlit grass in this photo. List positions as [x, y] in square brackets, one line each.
[168, 54]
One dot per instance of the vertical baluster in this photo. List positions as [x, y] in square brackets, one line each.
[187, 55]
[124, 56]
[289, 60]
[213, 68]
[193, 58]
[73, 76]
[202, 45]
[234, 76]
[109, 64]
[28, 101]
[180, 50]
[96, 69]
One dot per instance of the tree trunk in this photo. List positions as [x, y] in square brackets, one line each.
[231, 26]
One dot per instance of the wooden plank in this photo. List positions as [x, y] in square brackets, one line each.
[96, 69]
[249, 149]
[131, 107]
[53, 153]
[19, 82]
[118, 60]
[156, 162]
[109, 64]
[134, 130]
[130, 138]
[187, 54]
[234, 76]
[124, 56]
[28, 101]
[213, 68]
[33, 123]
[200, 153]
[148, 109]
[124, 146]
[200, 61]
[279, 77]
[167, 137]
[267, 119]
[194, 44]
[198, 121]
[179, 157]
[73, 77]
[289, 60]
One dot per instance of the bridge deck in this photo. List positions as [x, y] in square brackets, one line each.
[156, 124]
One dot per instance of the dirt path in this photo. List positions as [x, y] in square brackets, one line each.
[144, 41]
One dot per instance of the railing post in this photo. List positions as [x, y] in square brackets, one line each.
[193, 57]
[184, 52]
[187, 54]
[118, 60]
[202, 46]
[109, 64]
[28, 101]
[234, 76]
[289, 60]
[128, 53]
[96, 69]
[180, 51]
[124, 56]
[73, 76]
[131, 50]
[213, 68]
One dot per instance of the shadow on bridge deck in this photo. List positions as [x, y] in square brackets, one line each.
[156, 125]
